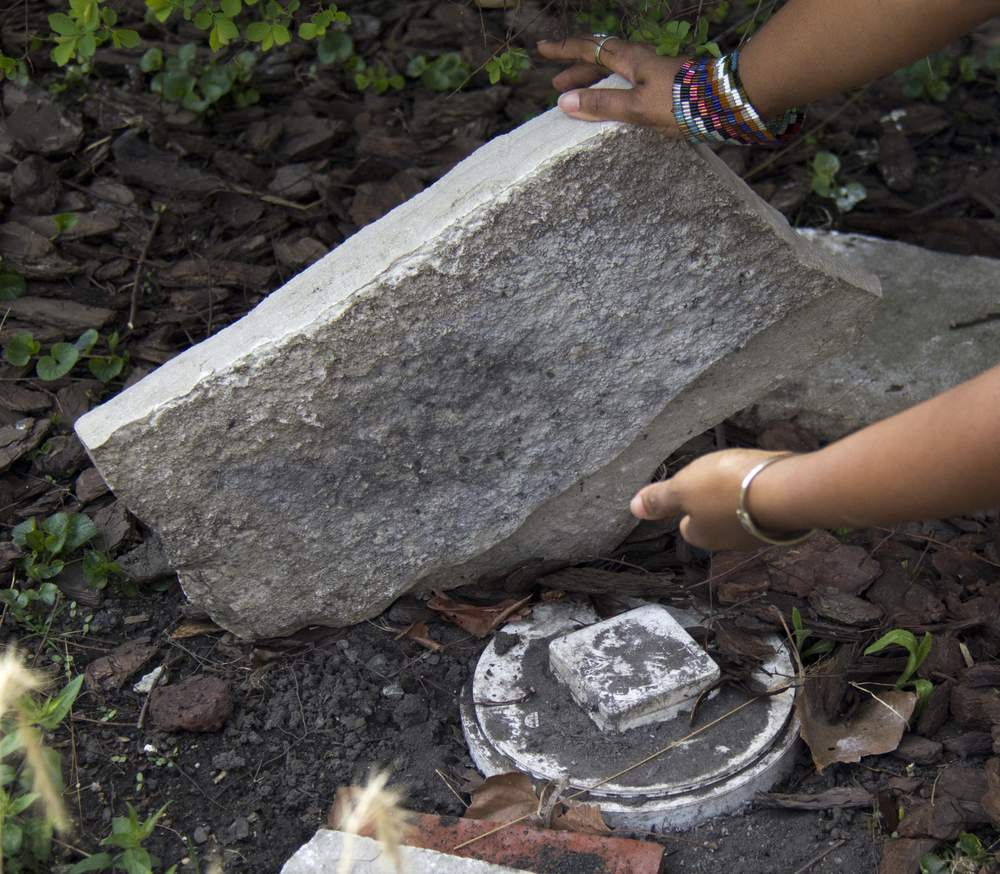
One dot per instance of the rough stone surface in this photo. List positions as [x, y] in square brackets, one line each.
[323, 853]
[195, 704]
[482, 377]
[636, 668]
[926, 338]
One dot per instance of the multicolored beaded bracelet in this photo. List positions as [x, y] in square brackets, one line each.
[710, 105]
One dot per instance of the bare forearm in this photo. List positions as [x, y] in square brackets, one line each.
[813, 48]
[939, 458]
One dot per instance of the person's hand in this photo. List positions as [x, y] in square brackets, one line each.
[706, 493]
[650, 100]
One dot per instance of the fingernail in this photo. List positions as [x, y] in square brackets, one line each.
[636, 506]
[541, 43]
[570, 101]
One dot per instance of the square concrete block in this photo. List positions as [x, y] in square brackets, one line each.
[634, 669]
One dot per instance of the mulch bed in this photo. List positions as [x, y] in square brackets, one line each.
[187, 222]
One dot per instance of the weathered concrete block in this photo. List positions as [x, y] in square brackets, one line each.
[482, 377]
[633, 669]
[937, 326]
[323, 853]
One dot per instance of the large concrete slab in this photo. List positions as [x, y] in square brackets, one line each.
[938, 325]
[322, 855]
[482, 377]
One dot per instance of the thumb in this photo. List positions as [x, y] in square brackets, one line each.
[657, 501]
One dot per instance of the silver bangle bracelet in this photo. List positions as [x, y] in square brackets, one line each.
[743, 514]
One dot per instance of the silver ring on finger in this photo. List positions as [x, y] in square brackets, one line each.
[601, 38]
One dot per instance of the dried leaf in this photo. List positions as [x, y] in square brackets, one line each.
[876, 727]
[477, 619]
[109, 672]
[503, 798]
[194, 628]
[418, 632]
[585, 818]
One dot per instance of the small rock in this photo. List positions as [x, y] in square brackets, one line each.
[412, 710]
[147, 562]
[308, 136]
[75, 399]
[113, 525]
[298, 252]
[970, 743]
[293, 182]
[897, 162]
[199, 704]
[903, 855]
[64, 455]
[919, 750]
[90, 485]
[975, 708]
[35, 185]
[227, 761]
[19, 439]
[844, 608]
[238, 831]
[18, 399]
[200, 835]
[109, 672]
[38, 126]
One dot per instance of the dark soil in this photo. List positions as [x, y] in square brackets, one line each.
[195, 220]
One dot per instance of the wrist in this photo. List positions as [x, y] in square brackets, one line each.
[778, 501]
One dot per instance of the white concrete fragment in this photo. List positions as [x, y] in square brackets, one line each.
[146, 683]
[937, 326]
[323, 853]
[484, 376]
[633, 669]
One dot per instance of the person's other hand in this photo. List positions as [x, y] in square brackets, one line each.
[706, 494]
[648, 102]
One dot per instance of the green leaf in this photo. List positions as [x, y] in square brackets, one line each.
[849, 196]
[109, 16]
[929, 864]
[187, 54]
[258, 31]
[97, 862]
[12, 837]
[335, 46]
[22, 803]
[826, 164]
[56, 709]
[87, 46]
[86, 341]
[20, 532]
[80, 530]
[136, 861]
[151, 60]
[415, 68]
[63, 53]
[63, 24]
[65, 221]
[47, 593]
[177, 86]
[896, 637]
[308, 30]
[59, 362]
[821, 647]
[215, 84]
[231, 8]
[227, 30]
[107, 367]
[21, 348]
[203, 20]
[124, 38]
[281, 35]
[713, 49]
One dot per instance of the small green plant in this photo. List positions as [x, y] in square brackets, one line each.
[63, 357]
[802, 634]
[671, 36]
[86, 25]
[971, 69]
[31, 785]
[14, 69]
[447, 72]
[181, 79]
[48, 545]
[825, 167]
[508, 66]
[12, 285]
[335, 48]
[916, 652]
[128, 834]
[928, 78]
[64, 221]
[966, 857]
[376, 77]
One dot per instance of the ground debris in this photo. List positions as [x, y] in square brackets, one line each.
[845, 796]
[198, 704]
